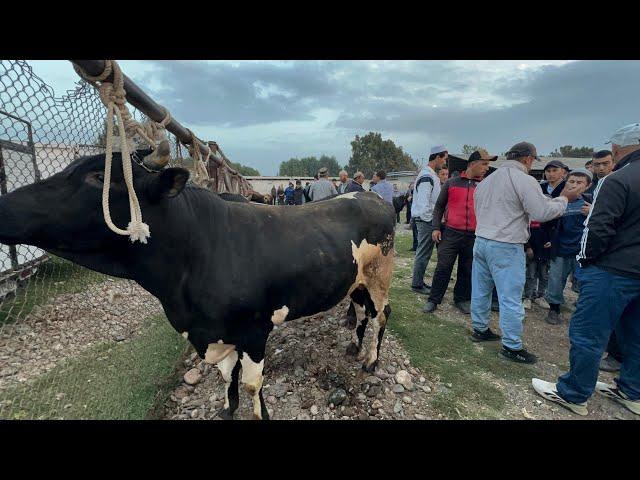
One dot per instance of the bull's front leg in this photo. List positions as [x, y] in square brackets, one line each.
[252, 379]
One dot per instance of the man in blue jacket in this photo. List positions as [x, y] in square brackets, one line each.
[565, 245]
[609, 287]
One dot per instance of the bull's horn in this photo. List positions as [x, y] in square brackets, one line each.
[159, 158]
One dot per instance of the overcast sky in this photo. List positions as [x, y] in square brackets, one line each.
[264, 112]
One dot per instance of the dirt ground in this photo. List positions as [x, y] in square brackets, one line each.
[308, 376]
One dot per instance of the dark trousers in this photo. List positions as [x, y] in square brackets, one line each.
[409, 211]
[454, 244]
[607, 302]
[415, 235]
[613, 349]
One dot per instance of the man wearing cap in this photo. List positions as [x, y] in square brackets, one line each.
[505, 202]
[322, 188]
[425, 195]
[355, 185]
[457, 240]
[609, 287]
[554, 172]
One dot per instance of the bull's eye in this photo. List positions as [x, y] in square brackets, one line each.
[100, 177]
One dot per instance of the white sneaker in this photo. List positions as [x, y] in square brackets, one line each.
[526, 303]
[548, 391]
[615, 394]
[541, 302]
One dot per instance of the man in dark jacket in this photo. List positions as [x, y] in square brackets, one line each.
[609, 287]
[298, 194]
[355, 185]
[456, 197]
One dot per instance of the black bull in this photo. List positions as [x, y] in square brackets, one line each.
[225, 272]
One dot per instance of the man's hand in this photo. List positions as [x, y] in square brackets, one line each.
[571, 194]
[586, 208]
[437, 236]
[529, 253]
[547, 245]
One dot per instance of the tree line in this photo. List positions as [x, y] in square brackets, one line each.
[369, 154]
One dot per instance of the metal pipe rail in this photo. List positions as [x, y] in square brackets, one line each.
[139, 99]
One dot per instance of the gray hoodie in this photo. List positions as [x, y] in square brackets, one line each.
[508, 199]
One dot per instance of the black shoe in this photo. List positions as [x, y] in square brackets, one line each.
[518, 356]
[486, 336]
[495, 307]
[464, 307]
[609, 364]
[430, 307]
[553, 318]
[423, 290]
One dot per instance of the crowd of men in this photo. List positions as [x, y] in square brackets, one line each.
[518, 241]
[322, 187]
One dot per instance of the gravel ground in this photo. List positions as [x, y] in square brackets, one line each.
[309, 377]
[68, 324]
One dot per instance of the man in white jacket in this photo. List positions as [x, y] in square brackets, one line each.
[505, 202]
[425, 195]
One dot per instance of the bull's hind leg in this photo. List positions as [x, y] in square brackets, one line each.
[230, 369]
[252, 379]
[357, 334]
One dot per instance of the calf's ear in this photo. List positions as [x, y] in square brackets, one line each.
[168, 183]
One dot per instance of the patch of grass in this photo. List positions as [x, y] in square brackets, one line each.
[109, 381]
[54, 277]
[443, 350]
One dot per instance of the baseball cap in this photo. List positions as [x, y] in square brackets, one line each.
[627, 135]
[323, 171]
[584, 171]
[438, 149]
[557, 164]
[523, 149]
[481, 154]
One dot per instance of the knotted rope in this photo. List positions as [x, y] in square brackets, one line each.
[199, 165]
[113, 96]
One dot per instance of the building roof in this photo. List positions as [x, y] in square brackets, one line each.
[570, 162]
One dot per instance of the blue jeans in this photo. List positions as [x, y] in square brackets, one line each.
[503, 265]
[423, 252]
[559, 270]
[606, 301]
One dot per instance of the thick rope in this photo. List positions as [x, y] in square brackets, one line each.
[113, 96]
[201, 174]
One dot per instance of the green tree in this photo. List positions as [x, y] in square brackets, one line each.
[573, 152]
[245, 170]
[469, 149]
[308, 166]
[371, 153]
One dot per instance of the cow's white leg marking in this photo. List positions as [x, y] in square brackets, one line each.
[252, 380]
[216, 352]
[279, 315]
[185, 335]
[226, 368]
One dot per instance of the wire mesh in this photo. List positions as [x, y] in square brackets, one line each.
[67, 334]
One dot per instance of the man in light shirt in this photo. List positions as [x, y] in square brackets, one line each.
[505, 203]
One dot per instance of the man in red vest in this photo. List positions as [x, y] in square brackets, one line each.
[456, 198]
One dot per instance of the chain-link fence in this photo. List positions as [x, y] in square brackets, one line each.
[73, 343]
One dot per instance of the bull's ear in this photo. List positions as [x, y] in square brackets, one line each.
[168, 183]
